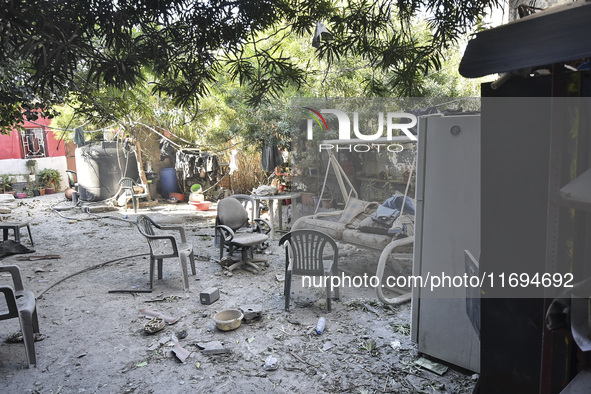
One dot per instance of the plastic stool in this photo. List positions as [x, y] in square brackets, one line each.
[16, 229]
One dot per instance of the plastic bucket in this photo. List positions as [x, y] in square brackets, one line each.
[196, 188]
[168, 181]
[196, 197]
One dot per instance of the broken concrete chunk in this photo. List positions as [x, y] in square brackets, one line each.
[432, 366]
[213, 347]
[251, 312]
[6, 198]
[270, 364]
[99, 208]
[209, 296]
[181, 353]
[150, 314]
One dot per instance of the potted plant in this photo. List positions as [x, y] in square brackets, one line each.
[50, 179]
[31, 165]
[6, 182]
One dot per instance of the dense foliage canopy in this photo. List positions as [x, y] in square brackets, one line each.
[70, 49]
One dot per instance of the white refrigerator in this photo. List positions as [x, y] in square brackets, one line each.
[447, 223]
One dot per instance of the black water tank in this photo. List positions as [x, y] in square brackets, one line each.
[99, 168]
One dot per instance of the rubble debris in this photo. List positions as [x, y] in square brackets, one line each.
[300, 359]
[395, 344]
[18, 337]
[213, 347]
[181, 353]
[98, 208]
[271, 364]
[159, 298]
[226, 261]
[181, 334]
[151, 313]
[432, 366]
[252, 313]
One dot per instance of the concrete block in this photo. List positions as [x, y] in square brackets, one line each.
[209, 296]
[213, 347]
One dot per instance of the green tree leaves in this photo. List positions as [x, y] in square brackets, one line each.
[182, 49]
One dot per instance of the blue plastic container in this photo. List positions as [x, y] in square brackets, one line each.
[168, 181]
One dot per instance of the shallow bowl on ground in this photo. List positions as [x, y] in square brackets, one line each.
[228, 320]
[178, 196]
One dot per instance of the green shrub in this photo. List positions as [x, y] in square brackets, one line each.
[50, 178]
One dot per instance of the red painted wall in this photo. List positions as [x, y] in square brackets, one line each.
[11, 148]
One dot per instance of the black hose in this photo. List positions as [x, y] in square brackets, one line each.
[89, 269]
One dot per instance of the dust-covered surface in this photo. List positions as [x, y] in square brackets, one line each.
[95, 341]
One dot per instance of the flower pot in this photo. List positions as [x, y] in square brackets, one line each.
[36, 192]
[49, 190]
[21, 195]
[42, 191]
[327, 203]
[307, 198]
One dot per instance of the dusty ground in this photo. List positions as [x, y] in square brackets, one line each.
[94, 340]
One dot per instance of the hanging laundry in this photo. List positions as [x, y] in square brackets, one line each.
[233, 161]
[271, 157]
[166, 149]
[196, 164]
[79, 136]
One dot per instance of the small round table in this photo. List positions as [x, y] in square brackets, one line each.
[293, 196]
